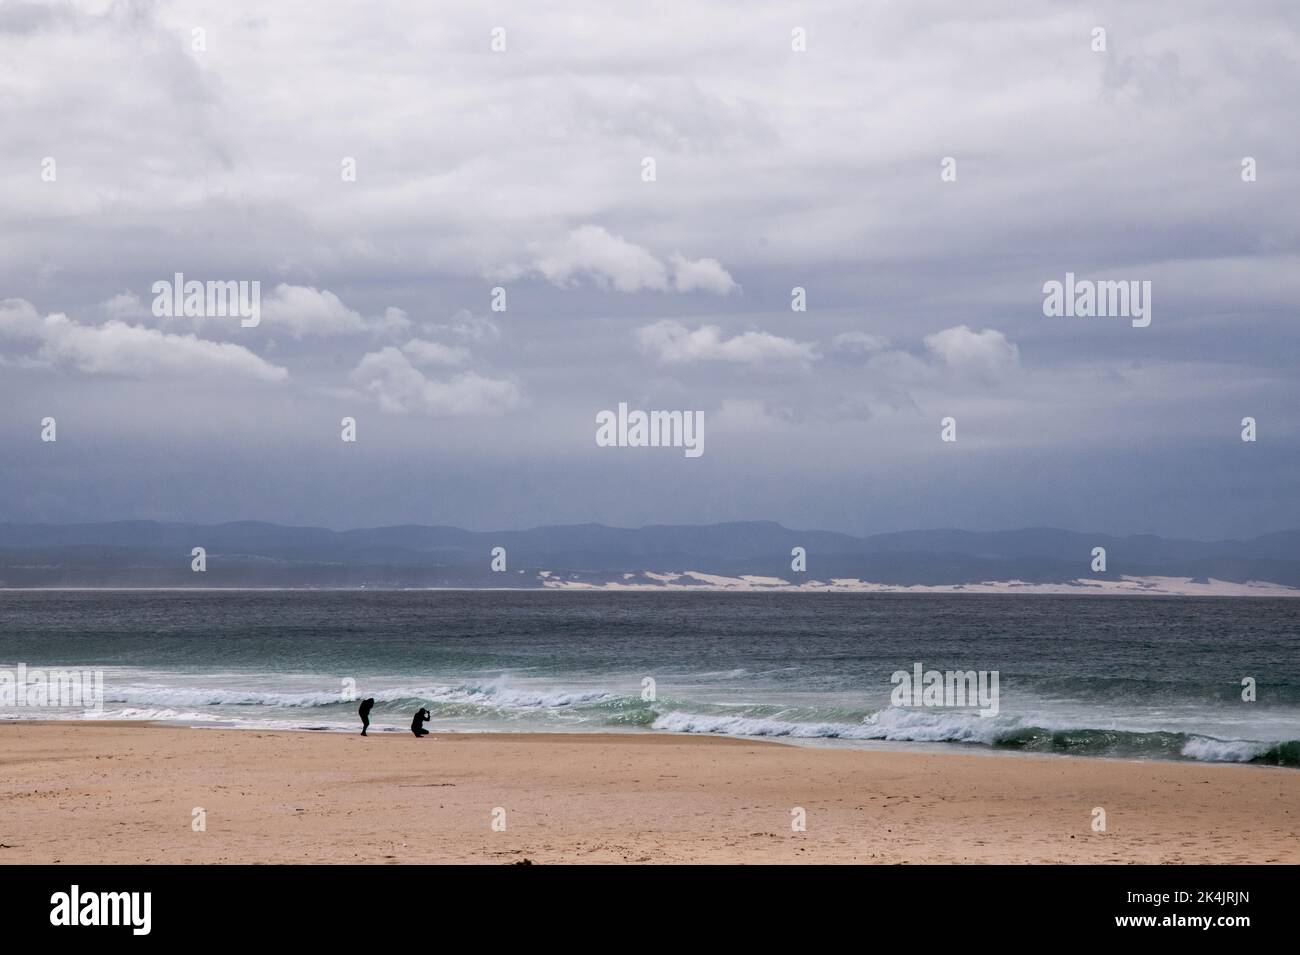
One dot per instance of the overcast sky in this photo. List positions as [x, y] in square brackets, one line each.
[774, 168]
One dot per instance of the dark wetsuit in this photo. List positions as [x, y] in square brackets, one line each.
[417, 724]
[365, 714]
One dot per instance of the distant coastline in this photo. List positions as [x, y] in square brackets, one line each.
[736, 556]
[1128, 587]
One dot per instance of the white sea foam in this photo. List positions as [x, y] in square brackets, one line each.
[494, 694]
[146, 695]
[512, 697]
[1224, 750]
[892, 723]
[724, 724]
[161, 714]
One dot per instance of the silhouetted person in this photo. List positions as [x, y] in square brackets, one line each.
[365, 714]
[417, 724]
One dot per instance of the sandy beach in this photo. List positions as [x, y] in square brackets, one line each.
[128, 793]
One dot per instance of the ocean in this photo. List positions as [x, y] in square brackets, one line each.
[1133, 677]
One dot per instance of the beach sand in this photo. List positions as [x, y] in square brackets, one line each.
[127, 793]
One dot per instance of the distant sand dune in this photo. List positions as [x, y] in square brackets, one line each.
[1151, 586]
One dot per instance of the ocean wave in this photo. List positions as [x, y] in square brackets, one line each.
[496, 695]
[1212, 750]
[504, 703]
[161, 714]
[514, 697]
[723, 724]
[216, 696]
[892, 724]
[1223, 750]
[916, 726]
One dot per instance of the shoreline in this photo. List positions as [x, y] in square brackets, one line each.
[936, 747]
[109, 791]
[881, 590]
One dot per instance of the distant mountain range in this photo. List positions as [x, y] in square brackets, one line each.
[744, 555]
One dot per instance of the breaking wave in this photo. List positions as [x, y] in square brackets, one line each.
[502, 704]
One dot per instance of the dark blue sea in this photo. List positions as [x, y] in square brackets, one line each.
[1136, 677]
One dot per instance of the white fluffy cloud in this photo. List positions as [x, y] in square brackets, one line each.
[706, 275]
[390, 378]
[606, 259]
[985, 354]
[434, 353]
[611, 261]
[301, 310]
[116, 348]
[672, 342]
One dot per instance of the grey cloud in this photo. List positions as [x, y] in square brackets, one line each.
[118, 348]
[775, 169]
[673, 342]
[389, 377]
